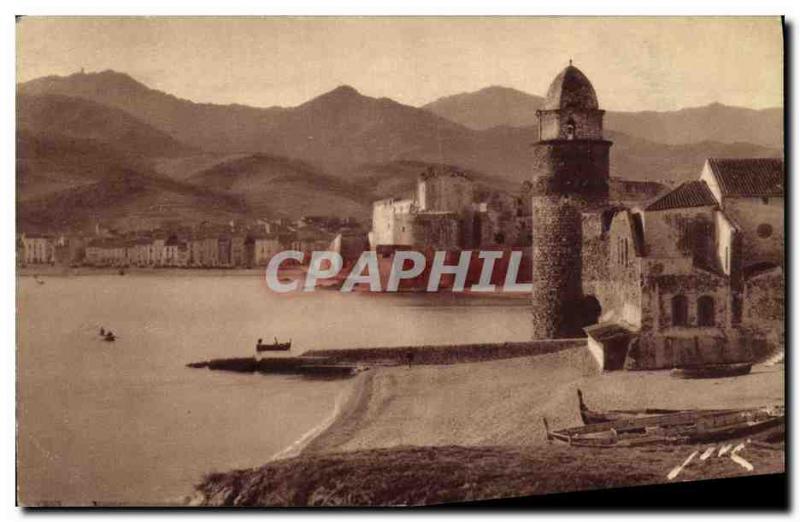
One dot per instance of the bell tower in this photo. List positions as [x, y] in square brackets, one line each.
[569, 177]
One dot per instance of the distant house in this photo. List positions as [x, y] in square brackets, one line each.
[264, 247]
[170, 257]
[37, 249]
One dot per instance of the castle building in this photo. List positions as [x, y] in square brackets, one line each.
[570, 178]
[440, 216]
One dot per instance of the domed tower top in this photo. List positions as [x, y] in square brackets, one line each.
[570, 110]
[571, 89]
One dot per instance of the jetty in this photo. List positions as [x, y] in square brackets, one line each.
[343, 363]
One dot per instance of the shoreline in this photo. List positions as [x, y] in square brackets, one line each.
[349, 416]
[346, 402]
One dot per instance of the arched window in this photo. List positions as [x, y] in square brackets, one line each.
[705, 311]
[570, 129]
[679, 311]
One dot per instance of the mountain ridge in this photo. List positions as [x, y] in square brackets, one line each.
[503, 106]
[340, 147]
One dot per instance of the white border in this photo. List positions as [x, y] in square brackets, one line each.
[307, 7]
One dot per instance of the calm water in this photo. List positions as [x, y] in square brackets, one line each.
[128, 422]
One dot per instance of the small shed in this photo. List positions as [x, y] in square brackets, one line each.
[608, 343]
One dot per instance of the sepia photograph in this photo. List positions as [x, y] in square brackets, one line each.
[394, 261]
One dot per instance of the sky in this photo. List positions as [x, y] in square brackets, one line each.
[633, 63]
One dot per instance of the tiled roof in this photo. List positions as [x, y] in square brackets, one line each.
[750, 177]
[685, 195]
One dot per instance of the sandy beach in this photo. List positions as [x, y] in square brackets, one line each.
[426, 434]
[503, 402]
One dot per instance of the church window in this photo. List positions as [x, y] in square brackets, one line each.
[705, 311]
[680, 310]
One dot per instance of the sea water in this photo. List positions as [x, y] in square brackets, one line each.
[127, 422]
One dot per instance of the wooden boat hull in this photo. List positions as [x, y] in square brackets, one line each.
[281, 347]
[673, 428]
[600, 416]
[712, 371]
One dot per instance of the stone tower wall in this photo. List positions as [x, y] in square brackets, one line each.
[570, 177]
[553, 124]
[557, 281]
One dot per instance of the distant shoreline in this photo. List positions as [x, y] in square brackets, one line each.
[84, 271]
[64, 271]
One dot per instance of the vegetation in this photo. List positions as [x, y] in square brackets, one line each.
[433, 475]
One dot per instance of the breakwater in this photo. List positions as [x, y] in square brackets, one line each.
[445, 354]
[348, 362]
[319, 367]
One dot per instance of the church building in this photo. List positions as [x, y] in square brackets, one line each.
[693, 277]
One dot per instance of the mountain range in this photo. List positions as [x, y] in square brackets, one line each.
[502, 106]
[98, 133]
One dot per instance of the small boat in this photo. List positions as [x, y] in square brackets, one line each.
[598, 416]
[686, 427]
[712, 371]
[274, 347]
[110, 337]
[38, 281]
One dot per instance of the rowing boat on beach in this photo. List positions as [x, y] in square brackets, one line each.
[712, 371]
[683, 427]
[599, 416]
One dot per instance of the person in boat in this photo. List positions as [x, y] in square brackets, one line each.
[102, 331]
[258, 344]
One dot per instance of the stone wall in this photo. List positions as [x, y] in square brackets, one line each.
[764, 307]
[762, 226]
[665, 345]
[682, 232]
[583, 124]
[574, 168]
[569, 178]
[445, 192]
[557, 280]
[614, 279]
[437, 230]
